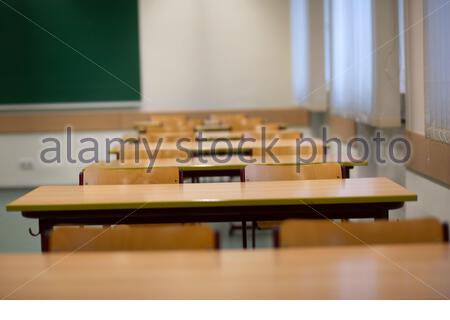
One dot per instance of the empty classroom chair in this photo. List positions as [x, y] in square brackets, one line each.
[277, 150]
[245, 124]
[285, 147]
[166, 151]
[263, 172]
[133, 238]
[291, 134]
[93, 175]
[302, 233]
[316, 171]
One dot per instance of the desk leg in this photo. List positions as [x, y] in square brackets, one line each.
[242, 175]
[180, 176]
[244, 234]
[383, 216]
[44, 229]
[254, 234]
[346, 172]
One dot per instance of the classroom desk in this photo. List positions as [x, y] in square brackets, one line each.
[203, 136]
[214, 166]
[229, 147]
[353, 272]
[235, 135]
[210, 202]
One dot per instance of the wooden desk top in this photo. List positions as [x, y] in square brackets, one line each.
[218, 146]
[235, 162]
[236, 194]
[354, 272]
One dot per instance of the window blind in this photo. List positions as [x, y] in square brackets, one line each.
[437, 69]
[308, 54]
[364, 61]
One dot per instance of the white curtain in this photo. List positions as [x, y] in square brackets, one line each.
[308, 54]
[437, 69]
[364, 61]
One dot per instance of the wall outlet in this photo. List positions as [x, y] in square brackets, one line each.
[26, 164]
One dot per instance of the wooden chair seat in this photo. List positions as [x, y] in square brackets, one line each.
[316, 171]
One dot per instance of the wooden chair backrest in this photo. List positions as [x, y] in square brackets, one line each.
[241, 125]
[277, 150]
[273, 172]
[302, 233]
[169, 153]
[158, 175]
[291, 134]
[133, 238]
[285, 147]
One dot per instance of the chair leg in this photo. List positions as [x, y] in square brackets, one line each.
[244, 234]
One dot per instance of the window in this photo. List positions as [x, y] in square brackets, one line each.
[364, 61]
[308, 54]
[437, 69]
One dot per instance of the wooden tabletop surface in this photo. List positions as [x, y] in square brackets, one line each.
[234, 161]
[306, 192]
[354, 272]
[306, 147]
[252, 144]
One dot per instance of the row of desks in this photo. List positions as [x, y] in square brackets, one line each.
[210, 202]
[184, 148]
[208, 135]
[354, 272]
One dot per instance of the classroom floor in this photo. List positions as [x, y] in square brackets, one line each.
[14, 236]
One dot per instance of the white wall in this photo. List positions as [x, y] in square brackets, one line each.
[195, 54]
[204, 54]
[434, 199]
[20, 149]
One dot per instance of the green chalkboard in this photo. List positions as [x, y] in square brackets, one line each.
[59, 51]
